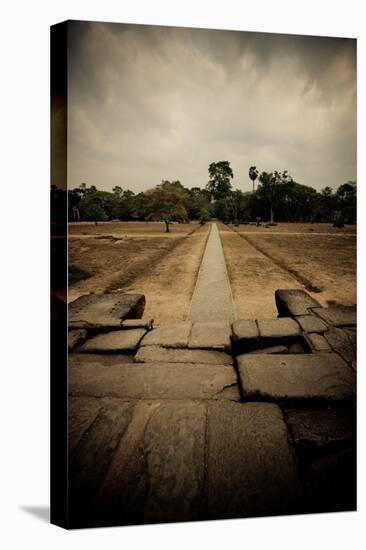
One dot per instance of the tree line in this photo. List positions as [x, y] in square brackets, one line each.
[276, 197]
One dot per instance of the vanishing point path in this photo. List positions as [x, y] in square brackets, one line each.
[212, 299]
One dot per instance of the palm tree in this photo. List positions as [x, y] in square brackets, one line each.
[253, 174]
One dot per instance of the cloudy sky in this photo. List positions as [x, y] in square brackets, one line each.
[152, 103]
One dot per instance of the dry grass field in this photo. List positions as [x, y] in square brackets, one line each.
[142, 257]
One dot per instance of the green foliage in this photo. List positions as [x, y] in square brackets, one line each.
[204, 216]
[219, 185]
[77, 274]
[166, 203]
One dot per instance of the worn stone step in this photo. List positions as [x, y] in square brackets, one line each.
[170, 336]
[99, 359]
[311, 323]
[294, 302]
[245, 335]
[287, 377]
[158, 354]
[214, 335]
[155, 381]
[100, 311]
[278, 331]
[116, 341]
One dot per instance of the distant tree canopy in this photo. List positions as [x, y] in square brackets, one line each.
[277, 198]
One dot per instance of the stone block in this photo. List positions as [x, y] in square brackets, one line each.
[245, 335]
[76, 337]
[321, 427]
[251, 468]
[323, 376]
[278, 331]
[116, 341]
[158, 354]
[82, 413]
[155, 381]
[311, 323]
[344, 342]
[215, 335]
[338, 316]
[100, 311]
[294, 302]
[170, 336]
[317, 342]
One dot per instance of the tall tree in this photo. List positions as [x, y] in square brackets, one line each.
[219, 185]
[272, 188]
[253, 174]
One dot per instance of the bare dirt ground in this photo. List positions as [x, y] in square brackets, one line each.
[315, 257]
[140, 257]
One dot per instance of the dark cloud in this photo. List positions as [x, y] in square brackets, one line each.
[148, 103]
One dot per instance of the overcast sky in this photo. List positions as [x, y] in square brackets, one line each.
[148, 103]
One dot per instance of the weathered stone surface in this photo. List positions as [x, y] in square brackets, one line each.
[214, 335]
[92, 456]
[294, 302]
[278, 331]
[338, 316]
[317, 342]
[99, 311]
[170, 336]
[286, 377]
[137, 323]
[344, 342]
[116, 341]
[158, 354]
[273, 349]
[76, 337]
[245, 335]
[331, 482]
[82, 413]
[99, 359]
[155, 381]
[321, 427]
[251, 468]
[311, 323]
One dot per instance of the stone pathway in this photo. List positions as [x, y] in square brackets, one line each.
[210, 420]
[212, 298]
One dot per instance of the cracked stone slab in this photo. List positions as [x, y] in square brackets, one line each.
[99, 311]
[82, 413]
[116, 341]
[215, 335]
[321, 427]
[343, 341]
[155, 381]
[323, 376]
[338, 316]
[276, 331]
[76, 337]
[251, 468]
[294, 302]
[170, 336]
[317, 342]
[157, 354]
[311, 323]
[245, 335]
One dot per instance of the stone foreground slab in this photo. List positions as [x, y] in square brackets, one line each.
[251, 468]
[278, 330]
[286, 377]
[99, 359]
[292, 302]
[76, 337]
[245, 335]
[158, 354]
[155, 381]
[99, 311]
[116, 341]
[311, 323]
